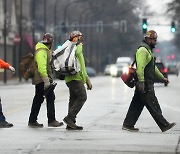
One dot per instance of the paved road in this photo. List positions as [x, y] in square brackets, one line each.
[101, 116]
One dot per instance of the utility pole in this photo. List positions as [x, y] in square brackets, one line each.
[33, 20]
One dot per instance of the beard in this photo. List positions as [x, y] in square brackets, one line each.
[50, 46]
[152, 46]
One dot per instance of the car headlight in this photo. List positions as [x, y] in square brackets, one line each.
[125, 70]
[113, 70]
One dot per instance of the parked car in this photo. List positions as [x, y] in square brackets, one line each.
[91, 71]
[173, 69]
[163, 70]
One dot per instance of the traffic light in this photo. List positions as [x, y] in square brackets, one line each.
[144, 25]
[173, 27]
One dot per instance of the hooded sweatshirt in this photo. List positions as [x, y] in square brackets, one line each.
[42, 59]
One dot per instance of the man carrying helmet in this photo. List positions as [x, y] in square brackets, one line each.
[3, 122]
[75, 83]
[43, 81]
[144, 94]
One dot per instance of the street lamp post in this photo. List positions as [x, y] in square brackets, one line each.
[5, 44]
[64, 16]
[44, 16]
[66, 8]
[92, 12]
[97, 45]
[20, 34]
[89, 47]
[33, 20]
[55, 23]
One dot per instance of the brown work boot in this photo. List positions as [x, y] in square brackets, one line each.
[55, 123]
[69, 122]
[5, 124]
[35, 125]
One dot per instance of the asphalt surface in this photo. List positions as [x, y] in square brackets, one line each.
[102, 117]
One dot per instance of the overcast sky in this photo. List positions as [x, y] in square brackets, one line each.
[160, 19]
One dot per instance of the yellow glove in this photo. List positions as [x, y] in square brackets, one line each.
[88, 83]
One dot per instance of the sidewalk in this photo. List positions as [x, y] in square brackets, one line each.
[14, 81]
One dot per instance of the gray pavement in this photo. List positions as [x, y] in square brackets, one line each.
[101, 116]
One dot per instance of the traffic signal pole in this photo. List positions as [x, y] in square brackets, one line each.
[145, 25]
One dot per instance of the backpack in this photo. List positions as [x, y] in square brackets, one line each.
[27, 66]
[64, 61]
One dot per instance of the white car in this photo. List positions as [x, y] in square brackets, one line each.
[124, 60]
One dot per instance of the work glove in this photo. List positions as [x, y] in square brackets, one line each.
[166, 81]
[140, 87]
[12, 69]
[88, 83]
[46, 82]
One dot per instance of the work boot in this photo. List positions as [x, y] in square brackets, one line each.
[69, 122]
[130, 128]
[168, 127]
[5, 124]
[35, 125]
[77, 128]
[55, 123]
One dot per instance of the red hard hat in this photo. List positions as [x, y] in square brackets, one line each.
[47, 38]
[130, 78]
[151, 34]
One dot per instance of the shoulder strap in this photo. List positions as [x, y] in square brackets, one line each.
[133, 62]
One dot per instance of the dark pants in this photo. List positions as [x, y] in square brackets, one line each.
[149, 100]
[2, 117]
[77, 98]
[38, 100]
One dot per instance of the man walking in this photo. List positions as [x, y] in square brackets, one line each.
[76, 82]
[3, 122]
[144, 94]
[43, 82]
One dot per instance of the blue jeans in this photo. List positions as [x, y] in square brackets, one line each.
[2, 117]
